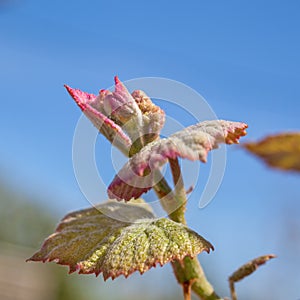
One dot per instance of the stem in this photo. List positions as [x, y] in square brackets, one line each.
[173, 205]
[232, 290]
[187, 290]
[179, 190]
[189, 271]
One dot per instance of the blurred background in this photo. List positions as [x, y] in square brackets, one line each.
[243, 57]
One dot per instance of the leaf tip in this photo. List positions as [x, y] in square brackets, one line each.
[212, 248]
[77, 96]
[234, 134]
[34, 257]
[117, 80]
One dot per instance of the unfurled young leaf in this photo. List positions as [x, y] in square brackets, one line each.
[118, 239]
[280, 151]
[194, 142]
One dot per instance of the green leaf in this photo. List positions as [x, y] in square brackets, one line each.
[279, 151]
[90, 241]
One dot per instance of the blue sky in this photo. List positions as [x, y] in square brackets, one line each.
[243, 57]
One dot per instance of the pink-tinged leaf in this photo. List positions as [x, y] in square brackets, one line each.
[280, 151]
[121, 106]
[138, 116]
[82, 99]
[193, 143]
[90, 241]
[92, 106]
